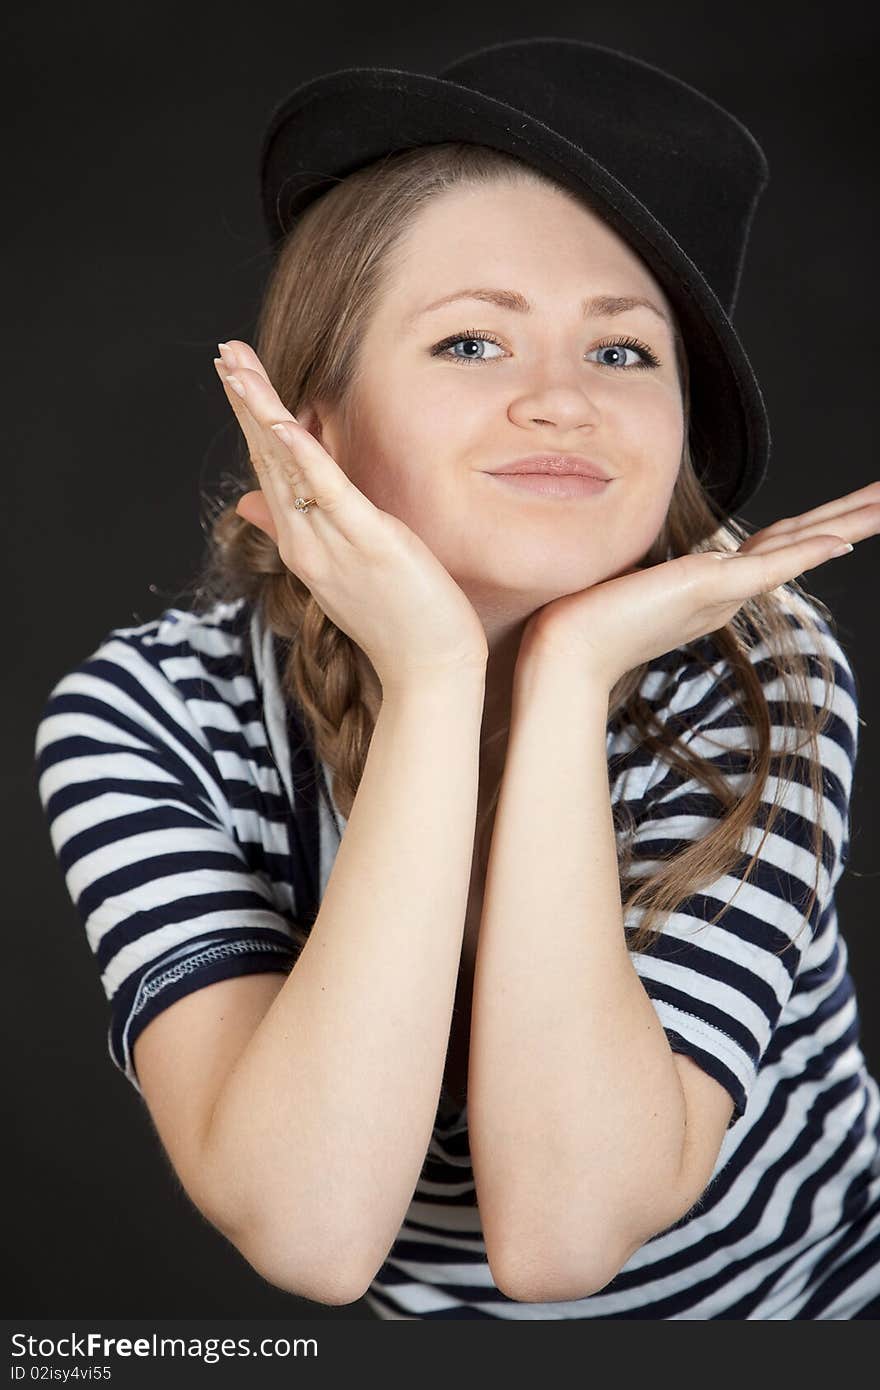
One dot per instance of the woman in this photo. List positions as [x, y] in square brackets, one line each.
[538, 1008]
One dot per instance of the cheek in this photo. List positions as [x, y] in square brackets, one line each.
[390, 462]
[654, 443]
[648, 482]
[658, 420]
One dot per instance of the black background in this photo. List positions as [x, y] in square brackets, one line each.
[132, 244]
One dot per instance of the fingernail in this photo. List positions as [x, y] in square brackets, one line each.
[841, 550]
[235, 385]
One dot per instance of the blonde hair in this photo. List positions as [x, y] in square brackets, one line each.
[322, 290]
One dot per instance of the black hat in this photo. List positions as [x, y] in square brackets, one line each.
[676, 175]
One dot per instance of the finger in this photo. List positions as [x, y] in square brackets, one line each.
[238, 354]
[267, 453]
[286, 470]
[828, 511]
[853, 526]
[269, 508]
[741, 576]
[295, 462]
[255, 509]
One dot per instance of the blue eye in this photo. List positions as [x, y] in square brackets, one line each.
[469, 337]
[622, 346]
[472, 336]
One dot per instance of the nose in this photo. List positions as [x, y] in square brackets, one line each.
[567, 406]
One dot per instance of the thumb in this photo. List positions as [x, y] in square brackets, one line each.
[254, 508]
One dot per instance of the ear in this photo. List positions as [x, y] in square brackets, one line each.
[325, 423]
[310, 418]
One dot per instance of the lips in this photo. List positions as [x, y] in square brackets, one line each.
[557, 465]
[548, 485]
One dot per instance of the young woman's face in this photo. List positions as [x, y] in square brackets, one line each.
[428, 422]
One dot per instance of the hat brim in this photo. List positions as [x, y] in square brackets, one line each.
[339, 122]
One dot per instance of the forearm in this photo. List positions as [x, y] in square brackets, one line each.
[575, 1107]
[324, 1122]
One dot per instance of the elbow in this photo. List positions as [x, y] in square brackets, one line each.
[547, 1281]
[317, 1262]
[561, 1272]
[332, 1287]
[331, 1276]
[335, 1294]
[569, 1268]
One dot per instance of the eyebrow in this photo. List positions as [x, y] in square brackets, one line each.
[597, 305]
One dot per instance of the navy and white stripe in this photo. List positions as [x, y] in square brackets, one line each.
[197, 831]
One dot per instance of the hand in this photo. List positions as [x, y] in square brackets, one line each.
[373, 576]
[614, 626]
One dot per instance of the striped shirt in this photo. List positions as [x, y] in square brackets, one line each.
[196, 831]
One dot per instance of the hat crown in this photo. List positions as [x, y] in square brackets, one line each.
[693, 165]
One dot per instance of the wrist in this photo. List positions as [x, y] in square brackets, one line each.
[437, 685]
[555, 678]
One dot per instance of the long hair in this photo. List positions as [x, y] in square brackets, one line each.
[326, 281]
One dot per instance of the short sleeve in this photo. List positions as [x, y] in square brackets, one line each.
[145, 842]
[720, 990]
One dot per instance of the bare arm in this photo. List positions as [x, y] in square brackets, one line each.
[577, 1116]
[320, 1130]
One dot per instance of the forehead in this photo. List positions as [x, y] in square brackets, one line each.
[527, 236]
